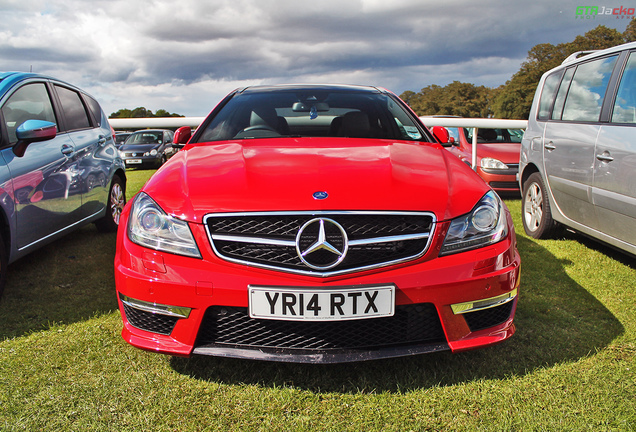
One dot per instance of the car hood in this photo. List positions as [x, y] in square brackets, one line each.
[283, 174]
[505, 152]
[138, 147]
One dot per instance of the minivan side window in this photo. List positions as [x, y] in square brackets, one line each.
[547, 95]
[30, 102]
[625, 105]
[587, 91]
[74, 111]
[563, 91]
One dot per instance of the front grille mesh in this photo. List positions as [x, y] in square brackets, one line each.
[231, 326]
[371, 238]
[490, 317]
[148, 321]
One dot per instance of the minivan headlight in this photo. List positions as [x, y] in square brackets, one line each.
[484, 225]
[149, 226]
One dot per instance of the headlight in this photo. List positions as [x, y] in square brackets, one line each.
[484, 225]
[153, 152]
[490, 163]
[149, 226]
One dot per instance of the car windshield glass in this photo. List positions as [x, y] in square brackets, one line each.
[145, 138]
[494, 136]
[309, 113]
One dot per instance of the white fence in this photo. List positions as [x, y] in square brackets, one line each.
[175, 122]
[474, 123]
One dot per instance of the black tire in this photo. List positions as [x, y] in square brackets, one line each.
[116, 203]
[536, 213]
[4, 263]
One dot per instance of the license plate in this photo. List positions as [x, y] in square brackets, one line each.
[133, 161]
[310, 304]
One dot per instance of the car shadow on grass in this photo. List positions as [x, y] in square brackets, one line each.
[557, 321]
[67, 281]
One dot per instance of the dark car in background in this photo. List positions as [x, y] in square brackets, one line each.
[497, 159]
[120, 137]
[59, 167]
[147, 148]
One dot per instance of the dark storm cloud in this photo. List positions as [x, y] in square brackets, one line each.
[160, 52]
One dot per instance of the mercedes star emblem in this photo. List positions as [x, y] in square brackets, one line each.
[321, 243]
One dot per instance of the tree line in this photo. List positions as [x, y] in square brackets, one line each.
[141, 112]
[513, 99]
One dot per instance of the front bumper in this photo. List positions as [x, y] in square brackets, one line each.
[183, 306]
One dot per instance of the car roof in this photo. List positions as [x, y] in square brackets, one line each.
[311, 87]
[574, 58]
[10, 78]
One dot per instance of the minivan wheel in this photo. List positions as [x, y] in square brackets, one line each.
[116, 203]
[537, 217]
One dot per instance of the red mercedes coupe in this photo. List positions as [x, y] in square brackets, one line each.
[315, 224]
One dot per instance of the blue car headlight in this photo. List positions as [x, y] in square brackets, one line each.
[485, 225]
[149, 226]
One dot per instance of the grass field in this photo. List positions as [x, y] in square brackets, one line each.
[570, 366]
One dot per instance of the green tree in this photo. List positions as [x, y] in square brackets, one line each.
[141, 112]
[457, 99]
[630, 32]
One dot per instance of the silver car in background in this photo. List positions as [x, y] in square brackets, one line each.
[59, 167]
[578, 154]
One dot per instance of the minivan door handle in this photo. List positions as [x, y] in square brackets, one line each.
[550, 146]
[605, 157]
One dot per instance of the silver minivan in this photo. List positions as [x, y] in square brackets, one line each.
[578, 154]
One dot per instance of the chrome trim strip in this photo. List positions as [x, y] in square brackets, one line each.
[478, 305]
[61, 230]
[290, 243]
[255, 240]
[174, 311]
[429, 236]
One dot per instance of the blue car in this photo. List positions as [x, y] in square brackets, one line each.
[59, 167]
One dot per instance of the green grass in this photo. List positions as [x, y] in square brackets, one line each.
[570, 366]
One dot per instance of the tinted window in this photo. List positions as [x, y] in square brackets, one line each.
[308, 112]
[95, 109]
[74, 111]
[625, 105]
[547, 95]
[30, 102]
[587, 91]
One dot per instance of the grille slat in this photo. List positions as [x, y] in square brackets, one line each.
[228, 233]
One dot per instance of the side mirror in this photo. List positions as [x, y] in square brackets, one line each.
[442, 135]
[182, 136]
[33, 131]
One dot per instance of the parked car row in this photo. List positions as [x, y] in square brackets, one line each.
[147, 148]
[323, 223]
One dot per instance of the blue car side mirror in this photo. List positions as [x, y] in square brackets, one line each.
[33, 131]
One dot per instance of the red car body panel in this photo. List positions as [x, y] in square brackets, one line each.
[359, 174]
[282, 175]
[508, 153]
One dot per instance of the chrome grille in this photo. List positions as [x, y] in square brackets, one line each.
[277, 240]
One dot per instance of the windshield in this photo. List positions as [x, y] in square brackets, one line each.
[319, 113]
[145, 138]
[494, 136]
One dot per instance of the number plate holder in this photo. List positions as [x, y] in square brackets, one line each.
[317, 304]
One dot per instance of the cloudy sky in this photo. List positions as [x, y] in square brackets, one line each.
[184, 56]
